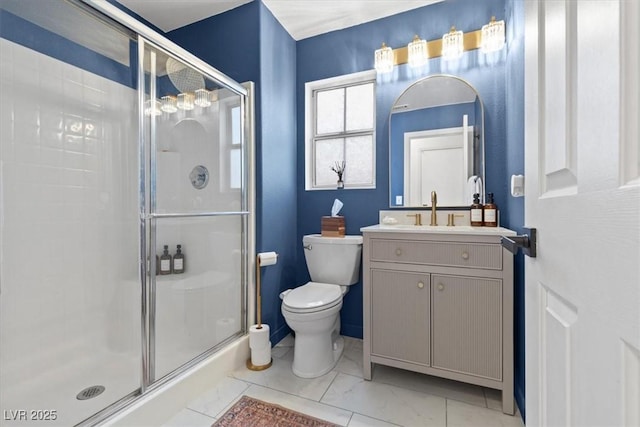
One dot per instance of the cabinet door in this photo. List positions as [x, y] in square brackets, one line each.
[467, 325]
[400, 304]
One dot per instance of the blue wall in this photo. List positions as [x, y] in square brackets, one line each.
[515, 165]
[351, 50]
[277, 182]
[248, 44]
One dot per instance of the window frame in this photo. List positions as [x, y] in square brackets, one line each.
[310, 120]
[227, 145]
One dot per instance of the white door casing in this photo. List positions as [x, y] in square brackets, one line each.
[582, 292]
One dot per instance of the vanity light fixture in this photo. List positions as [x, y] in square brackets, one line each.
[186, 101]
[417, 51]
[492, 38]
[452, 44]
[384, 59]
[152, 108]
[213, 95]
[169, 104]
[202, 98]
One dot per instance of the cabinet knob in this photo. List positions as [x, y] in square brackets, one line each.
[465, 255]
[440, 287]
[399, 251]
[420, 285]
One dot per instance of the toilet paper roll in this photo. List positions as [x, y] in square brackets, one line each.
[225, 327]
[261, 356]
[267, 258]
[258, 338]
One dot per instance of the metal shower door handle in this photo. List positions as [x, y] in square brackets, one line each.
[526, 241]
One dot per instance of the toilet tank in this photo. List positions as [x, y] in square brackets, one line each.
[334, 260]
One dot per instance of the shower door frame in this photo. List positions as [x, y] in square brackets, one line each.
[147, 217]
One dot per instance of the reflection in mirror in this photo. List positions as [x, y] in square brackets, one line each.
[436, 143]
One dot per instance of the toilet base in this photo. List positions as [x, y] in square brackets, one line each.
[326, 355]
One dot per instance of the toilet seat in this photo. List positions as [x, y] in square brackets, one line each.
[312, 297]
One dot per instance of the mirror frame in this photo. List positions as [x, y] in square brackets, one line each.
[477, 143]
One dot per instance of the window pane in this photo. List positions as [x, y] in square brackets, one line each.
[235, 125]
[359, 159]
[235, 170]
[328, 152]
[330, 111]
[360, 107]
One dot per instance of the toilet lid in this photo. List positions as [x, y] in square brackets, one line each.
[312, 296]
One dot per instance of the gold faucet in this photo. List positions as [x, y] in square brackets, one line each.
[434, 203]
[418, 218]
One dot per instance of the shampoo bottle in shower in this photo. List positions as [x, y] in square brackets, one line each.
[476, 211]
[178, 261]
[490, 212]
[165, 261]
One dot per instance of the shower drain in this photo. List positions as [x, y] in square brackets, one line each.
[90, 392]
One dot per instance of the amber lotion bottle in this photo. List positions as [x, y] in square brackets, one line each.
[476, 211]
[490, 212]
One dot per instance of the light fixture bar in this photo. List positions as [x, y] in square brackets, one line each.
[471, 41]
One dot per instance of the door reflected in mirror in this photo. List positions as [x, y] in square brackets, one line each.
[436, 143]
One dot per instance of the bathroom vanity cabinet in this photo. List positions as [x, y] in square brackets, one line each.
[440, 303]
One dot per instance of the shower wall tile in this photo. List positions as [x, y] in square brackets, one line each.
[69, 253]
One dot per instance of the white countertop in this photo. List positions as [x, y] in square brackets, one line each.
[439, 229]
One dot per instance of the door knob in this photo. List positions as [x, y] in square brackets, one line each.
[398, 252]
[526, 241]
[420, 285]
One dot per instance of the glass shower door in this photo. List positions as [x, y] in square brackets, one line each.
[196, 208]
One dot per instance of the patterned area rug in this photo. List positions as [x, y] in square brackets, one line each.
[250, 412]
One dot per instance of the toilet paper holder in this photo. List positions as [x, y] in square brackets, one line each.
[263, 259]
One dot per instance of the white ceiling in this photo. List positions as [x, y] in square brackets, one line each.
[301, 18]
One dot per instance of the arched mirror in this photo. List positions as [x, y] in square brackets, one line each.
[436, 143]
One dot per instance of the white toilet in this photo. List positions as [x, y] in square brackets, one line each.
[313, 310]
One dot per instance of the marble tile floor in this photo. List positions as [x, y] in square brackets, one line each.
[394, 397]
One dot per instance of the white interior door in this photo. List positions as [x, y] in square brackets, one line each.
[582, 292]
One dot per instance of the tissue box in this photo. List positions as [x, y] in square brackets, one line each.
[332, 226]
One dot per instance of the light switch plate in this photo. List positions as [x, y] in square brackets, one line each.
[517, 185]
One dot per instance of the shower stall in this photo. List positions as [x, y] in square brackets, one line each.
[115, 144]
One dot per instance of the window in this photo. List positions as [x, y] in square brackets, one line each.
[231, 144]
[340, 122]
